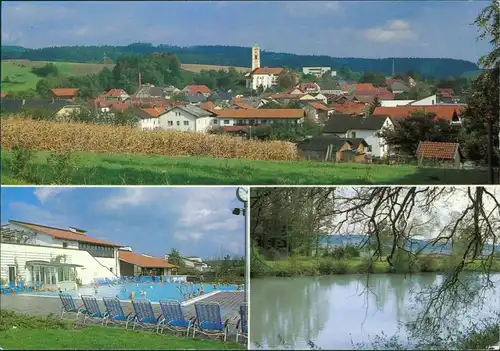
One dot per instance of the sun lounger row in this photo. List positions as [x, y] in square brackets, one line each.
[208, 318]
[14, 287]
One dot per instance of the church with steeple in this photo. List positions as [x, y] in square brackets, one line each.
[263, 77]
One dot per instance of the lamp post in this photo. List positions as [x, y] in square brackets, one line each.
[242, 196]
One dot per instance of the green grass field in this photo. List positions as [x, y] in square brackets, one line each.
[20, 76]
[121, 169]
[27, 332]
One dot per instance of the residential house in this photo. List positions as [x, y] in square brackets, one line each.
[318, 71]
[150, 91]
[367, 128]
[446, 94]
[199, 265]
[309, 88]
[221, 97]
[171, 91]
[53, 257]
[353, 108]
[430, 100]
[58, 108]
[134, 264]
[451, 113]
[427, 101]
[358, 88]
[115, 95]
[283, 98]
[196, 98]
[209, 106]
[264, 77]
[316, 111]
[329, 148]
[314, 97]
[442, 153]
[148, 118]
[293, 91]
[330, 88]
[198, 90]
[398, 87]
[64, 93]
[187, 118]
[251, 117]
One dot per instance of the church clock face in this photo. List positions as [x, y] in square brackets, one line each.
[242, 194]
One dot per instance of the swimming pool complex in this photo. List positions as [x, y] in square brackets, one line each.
[153, 291]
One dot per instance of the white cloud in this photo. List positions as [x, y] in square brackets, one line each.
[394, 31]
[49, 193]
[188, 235]
[127, 197]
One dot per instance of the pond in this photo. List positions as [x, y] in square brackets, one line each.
[339, 312]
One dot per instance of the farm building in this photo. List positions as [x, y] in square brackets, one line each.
[442, 153]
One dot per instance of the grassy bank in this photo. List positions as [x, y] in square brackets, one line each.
[330, 266]
[135, 169]
[49, 333]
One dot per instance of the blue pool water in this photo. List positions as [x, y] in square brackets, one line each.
[154, 292]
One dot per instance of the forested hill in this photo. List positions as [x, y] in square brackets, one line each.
[240, 56]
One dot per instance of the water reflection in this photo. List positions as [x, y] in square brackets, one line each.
[336, 312]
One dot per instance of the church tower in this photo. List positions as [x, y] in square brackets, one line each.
[255, 57]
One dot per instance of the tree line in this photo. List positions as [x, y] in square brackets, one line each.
[239, 56]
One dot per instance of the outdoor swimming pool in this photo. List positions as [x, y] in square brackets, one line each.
[153, 291]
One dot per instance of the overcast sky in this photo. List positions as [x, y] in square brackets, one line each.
[341, 29]
[197, 221]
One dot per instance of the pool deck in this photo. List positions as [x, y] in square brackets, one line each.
[43, 306]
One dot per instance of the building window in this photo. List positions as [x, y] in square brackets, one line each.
[65, 245]
[178, 123]
[170, 123]
[215, 121]
[226, 121]
[353, 134]
[186, 123]
[369, 148]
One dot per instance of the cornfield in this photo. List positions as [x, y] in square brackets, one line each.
[53, 136]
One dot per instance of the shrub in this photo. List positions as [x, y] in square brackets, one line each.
[352, 252]
[9, 319]
[22, 163]
[62, 167]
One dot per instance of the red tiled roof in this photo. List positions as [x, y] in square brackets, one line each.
[443, 112]
[319, 106]
[154, 111]
[64, 234]
[350, 109]
[115, 93]
[305, 86]
[209, 105]
[198, 89]
[263, 113]
[358, 87]
[268, 70]
[65, 91]
[430, 149]
[144, 261]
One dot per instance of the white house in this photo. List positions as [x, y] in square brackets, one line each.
[264, 77]
[318, 71]
[245, 117]
[345, 126]
[428, 101]
[314, 97]
[394, 103]
[188, 118]
[54, 257]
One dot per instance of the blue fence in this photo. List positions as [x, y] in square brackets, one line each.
[141, 279]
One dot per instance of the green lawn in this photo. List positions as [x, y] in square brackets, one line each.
[97, 337]
[121, 169]
[21, 78]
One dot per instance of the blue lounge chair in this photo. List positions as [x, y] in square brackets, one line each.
[114, 311]
[5, 290]
[92, 309]
[14, 288]
[242, 325]
[144, 314]
[23, 287]
[69, 306]
[173, 318]
[209, 320]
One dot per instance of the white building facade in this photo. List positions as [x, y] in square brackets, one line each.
[45, 256]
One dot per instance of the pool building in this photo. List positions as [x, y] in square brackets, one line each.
[39, 255]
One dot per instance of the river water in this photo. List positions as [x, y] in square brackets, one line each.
[339, 312]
